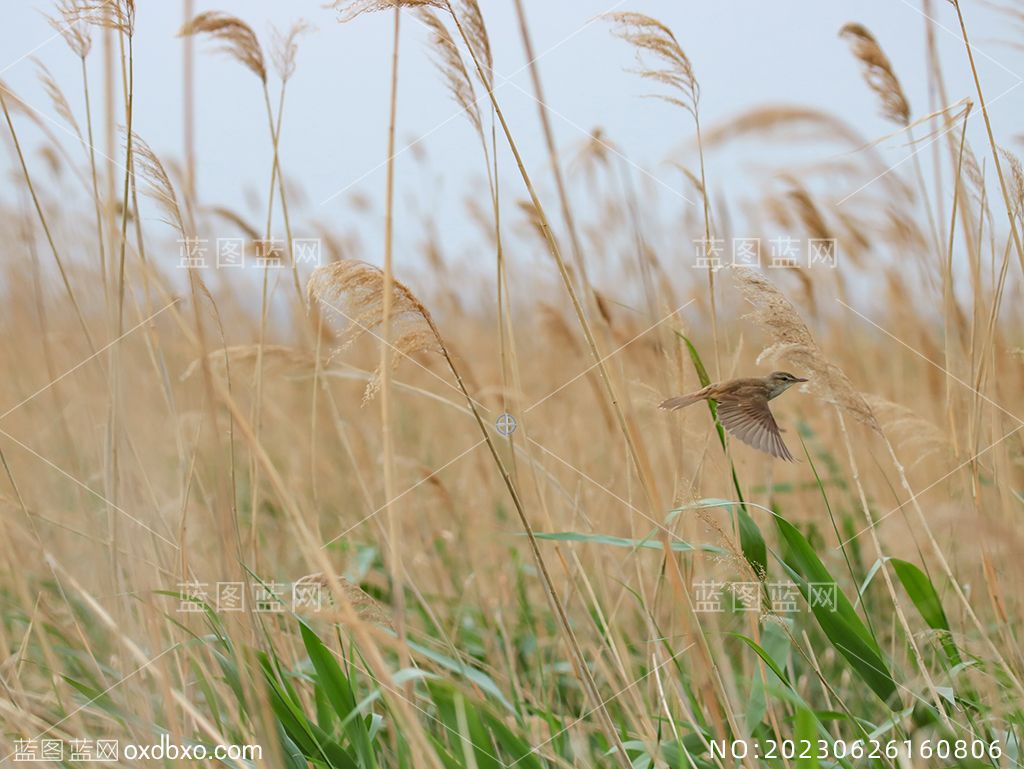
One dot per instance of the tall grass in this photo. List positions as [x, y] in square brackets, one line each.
[539, 598]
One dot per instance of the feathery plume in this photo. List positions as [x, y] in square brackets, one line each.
[118, 15]
[350, 9]
[914, 435]
[1016, 179]
[786, 121]
[235, 218]
[366, 607]
[18, 105]
[809, 213]
[593, 152]
[158, 184]
[355, 290]
[235, 36]
[476, 35]
[794, 343]
[71, 25]
[878, 72]
[453, 69]
[652, 37]
[284, 47]
[60, 102]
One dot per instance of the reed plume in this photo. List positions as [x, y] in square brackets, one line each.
[118, 15]
[878, 72]
[453, 69]
[911, 433]
[284, 48]
[350, 9]
[1015, 180]
[792, 342]
[365, 606]
[809, 213]
[57, 97]
[355, 290]
[652, 37]
[70, 25]
[158, 185]
[236, 39]
[476, 37]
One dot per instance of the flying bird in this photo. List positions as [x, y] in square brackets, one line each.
[743, 409]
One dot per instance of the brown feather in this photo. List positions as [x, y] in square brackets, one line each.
[752, 422]
[743, 409]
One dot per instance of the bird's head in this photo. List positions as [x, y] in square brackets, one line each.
[780, 381]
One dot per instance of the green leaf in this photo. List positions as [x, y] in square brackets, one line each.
[761, 686]
[840, 624]
[313, 741]
[95, 696]
[336, 687]
[478, 677]
[765, 657]
[926, 599]
[804, 733]
[486, 730]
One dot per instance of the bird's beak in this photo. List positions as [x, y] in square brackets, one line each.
[799, 379]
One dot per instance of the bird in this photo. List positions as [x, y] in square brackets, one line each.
[743, 409]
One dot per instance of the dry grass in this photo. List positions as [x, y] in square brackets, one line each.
[529, 599]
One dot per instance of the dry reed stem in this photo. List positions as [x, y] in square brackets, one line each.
[552, 149]
[323, 282]
[1015, 234]
[42, 216]
[885, 567]
[646, 483]
[650, 36]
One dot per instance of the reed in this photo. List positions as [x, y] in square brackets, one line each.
[490, 598]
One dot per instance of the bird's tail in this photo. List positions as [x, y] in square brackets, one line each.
[682, 401]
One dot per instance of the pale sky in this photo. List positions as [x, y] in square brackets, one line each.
[745, 53]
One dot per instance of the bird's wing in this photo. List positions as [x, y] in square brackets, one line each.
[752, 422]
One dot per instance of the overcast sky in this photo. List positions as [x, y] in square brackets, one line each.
[745, 53]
